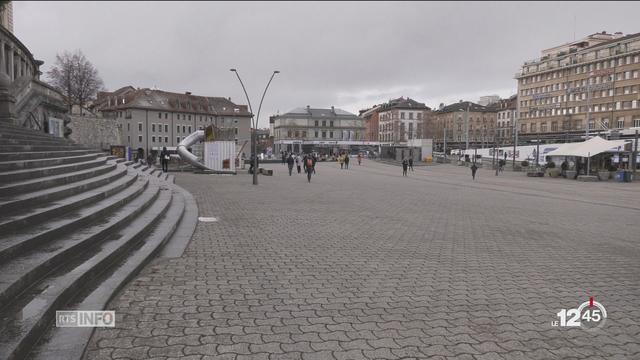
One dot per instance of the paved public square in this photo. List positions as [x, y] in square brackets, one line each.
[367, 264]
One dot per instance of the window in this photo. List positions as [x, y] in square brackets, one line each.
[128, 127]
[554, 126]
[189, 129]
[591, 124]
[331, 124]
[532, 127]
[153, 139]
[543, 127]
[331, 134]
[324, 134]
[166, 115]
[166, 139]
[324, 123]
[316, 132]
[402, 115]
[636, 122]
[189, 117]
[139, 138]
[523, 128]
[166, 128]
[177, 139]
[159, 127]
[236, 132]
[411, 116]
[184, 129]
[139, 126]
[128, 139]
[315, 123]
[419, 116]
[620, 122]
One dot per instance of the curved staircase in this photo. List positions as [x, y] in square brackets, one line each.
[75, 226]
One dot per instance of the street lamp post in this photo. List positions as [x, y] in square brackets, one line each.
[254, 120]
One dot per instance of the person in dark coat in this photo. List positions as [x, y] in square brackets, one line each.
[405, 164]
[290, 162]
[309, 166]
[474, 168]
[411, 163]
[164, 159]
[346, 161]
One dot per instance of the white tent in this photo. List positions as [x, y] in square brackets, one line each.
[591, 147]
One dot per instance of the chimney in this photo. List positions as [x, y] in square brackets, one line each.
[309, 109]
[333, 110]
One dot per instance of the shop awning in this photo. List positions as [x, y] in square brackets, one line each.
[591, 147]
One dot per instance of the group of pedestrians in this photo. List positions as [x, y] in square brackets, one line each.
[306, 162]
[343, 159]
[407, 163]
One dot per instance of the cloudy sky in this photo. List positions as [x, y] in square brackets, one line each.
[348, 54]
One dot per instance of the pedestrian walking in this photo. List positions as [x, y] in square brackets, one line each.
[359, 159]
[341, 161]
[308, 166]
[474, 168]
[298, 160]
[346, 161]
[405, 164]
[284, 158]
[411, 163]
[314, 160]
[290, 162]
[164, 159]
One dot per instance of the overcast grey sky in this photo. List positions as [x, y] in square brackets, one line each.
[348, 54]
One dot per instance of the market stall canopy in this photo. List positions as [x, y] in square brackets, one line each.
[591, 147]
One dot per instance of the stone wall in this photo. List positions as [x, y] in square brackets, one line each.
[94, 131]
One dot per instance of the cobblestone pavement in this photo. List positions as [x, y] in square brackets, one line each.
[367, 264]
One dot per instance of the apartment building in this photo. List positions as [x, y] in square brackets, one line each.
[507, 112]
[465, 125]
[152, 119]
[401, 120]
[371, 119]
[591, 83]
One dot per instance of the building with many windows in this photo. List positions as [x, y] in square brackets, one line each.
[507, 110]
[321, 130]
[593, 82]
[152, 119]
[465, 125]
[401, 120]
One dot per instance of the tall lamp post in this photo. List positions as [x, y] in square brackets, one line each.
[254, 120]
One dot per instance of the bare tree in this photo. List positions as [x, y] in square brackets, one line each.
[76, 77]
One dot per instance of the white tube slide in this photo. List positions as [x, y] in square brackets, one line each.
[186, 155]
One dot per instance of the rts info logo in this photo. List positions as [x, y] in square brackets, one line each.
[590, 315]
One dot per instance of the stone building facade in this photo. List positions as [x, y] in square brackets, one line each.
[371, 119]
[95, 132]
[466, 125]
[591, 83]
[315, 129]
[401, 120]
[24, 99]
[152, 119]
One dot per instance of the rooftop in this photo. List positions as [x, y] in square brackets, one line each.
[319, 112]
[129, 98]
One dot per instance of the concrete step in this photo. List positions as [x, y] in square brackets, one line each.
[22, 270]
[29, 217]
[55, 342]
[19, 175]
[22, 187]
[27, 132]
[24, 202]
[30, 148]
[18, 241]
[23, 324]
[11, 140]
[38, 163]
[32, 155]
